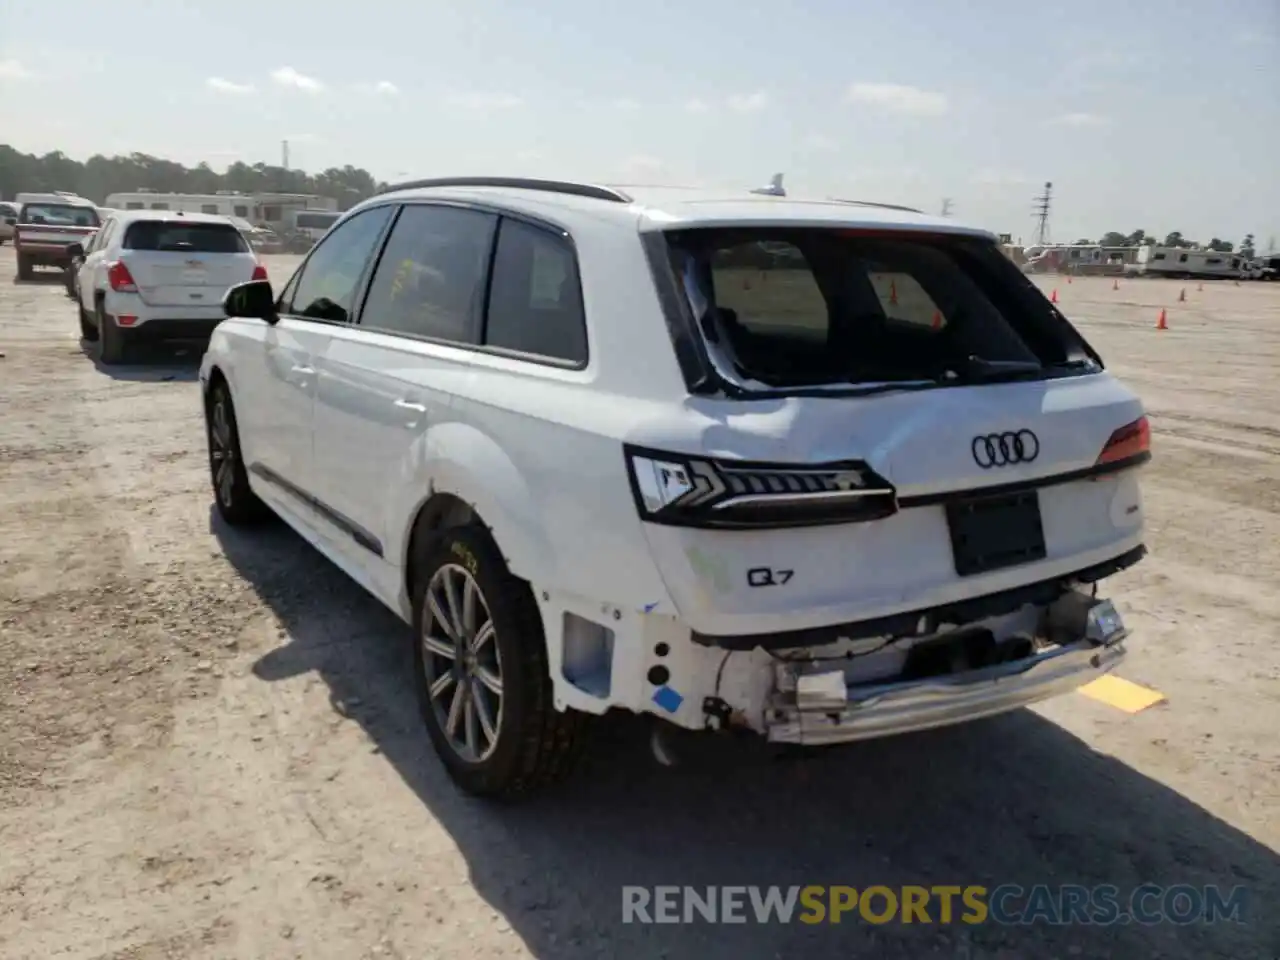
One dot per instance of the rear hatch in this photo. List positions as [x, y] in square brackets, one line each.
[48, 225]
[903, 422]
[186, 263]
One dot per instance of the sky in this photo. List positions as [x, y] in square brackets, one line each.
[1160, 118]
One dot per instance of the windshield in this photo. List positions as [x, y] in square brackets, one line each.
[185, 237]
[58, 214]
[817, 306]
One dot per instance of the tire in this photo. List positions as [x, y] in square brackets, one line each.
[534, 745]
[237, 504]
[87, 330]
[111, 345]
[25, 271]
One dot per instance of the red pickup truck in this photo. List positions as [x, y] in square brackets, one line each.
[45, 229]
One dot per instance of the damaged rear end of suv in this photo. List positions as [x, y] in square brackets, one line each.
[893, 490]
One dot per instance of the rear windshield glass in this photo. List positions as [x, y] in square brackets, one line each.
[818, 306]
[58, 214]
[185, 237]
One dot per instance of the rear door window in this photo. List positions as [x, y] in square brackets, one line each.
[430, 279]
[168, 236]
[57, 214]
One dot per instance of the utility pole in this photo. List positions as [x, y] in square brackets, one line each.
[1041, 207]
[946, 206]
[284, 150]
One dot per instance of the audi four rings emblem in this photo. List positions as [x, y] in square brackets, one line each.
[1004, 449]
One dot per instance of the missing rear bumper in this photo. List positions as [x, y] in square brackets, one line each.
[807, 708]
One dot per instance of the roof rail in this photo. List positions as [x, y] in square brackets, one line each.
[588, 190]
[872, 203]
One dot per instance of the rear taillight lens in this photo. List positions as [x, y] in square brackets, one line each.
[677, 490]
[259, 272]
[120, 279]
[1129, 443]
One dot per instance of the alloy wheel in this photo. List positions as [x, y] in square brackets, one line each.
[461, 663]
[222, 454]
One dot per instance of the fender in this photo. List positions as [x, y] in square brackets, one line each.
[458, 459]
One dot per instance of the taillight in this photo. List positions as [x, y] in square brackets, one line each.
[1128, 443]
[259, 272]
[677, 490]
[120, 279]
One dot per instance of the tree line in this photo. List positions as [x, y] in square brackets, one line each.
[100, 176]
[1140, 238]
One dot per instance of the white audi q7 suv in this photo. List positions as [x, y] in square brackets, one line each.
[821, 470]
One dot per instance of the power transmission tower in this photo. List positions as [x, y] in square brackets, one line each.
[946, 206]
[1041, 209]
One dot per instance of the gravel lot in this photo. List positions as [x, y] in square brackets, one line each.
[209, 746]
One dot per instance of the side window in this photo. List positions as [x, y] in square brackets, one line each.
[103, 236]
[208, 208]
[241, 211]
[430, 280]
[325, 289]
[535, 301]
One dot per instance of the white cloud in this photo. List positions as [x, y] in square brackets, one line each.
[697, 106]
[228, 86]
[1080, 120]
[14, 70]
[476, 100]
[749, 102]
[626, 103]
[289, 77]
[386, 87]
[898, 98]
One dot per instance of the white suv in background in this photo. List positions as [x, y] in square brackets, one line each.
[151, 275]
[819, 470]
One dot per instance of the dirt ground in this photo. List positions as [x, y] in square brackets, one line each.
[209, 746]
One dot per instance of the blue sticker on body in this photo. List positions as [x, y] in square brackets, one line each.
[650, 607]
[667, 699]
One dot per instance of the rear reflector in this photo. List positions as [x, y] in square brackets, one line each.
[125, 320]
[120, 278]
[260, 272]
[1131, 440]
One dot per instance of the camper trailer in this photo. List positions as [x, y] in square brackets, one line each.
[1185, 264]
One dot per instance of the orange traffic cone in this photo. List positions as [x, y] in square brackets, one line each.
[1182, 295]
[1162, 321]
[893, 293]
[1053, 297]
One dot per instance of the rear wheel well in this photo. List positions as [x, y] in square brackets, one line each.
[441, 512]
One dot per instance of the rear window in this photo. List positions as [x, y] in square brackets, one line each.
[821, 305]
[184, 237]
[58, 214]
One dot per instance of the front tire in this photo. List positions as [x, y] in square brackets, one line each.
[237, 504]
[480, 659]
[25, 270]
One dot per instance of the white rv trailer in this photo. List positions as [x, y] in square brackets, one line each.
[1184, 263]
[226, 204]
[314, 223]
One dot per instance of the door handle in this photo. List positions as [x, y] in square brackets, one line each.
[305, 371]
[411, 406]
